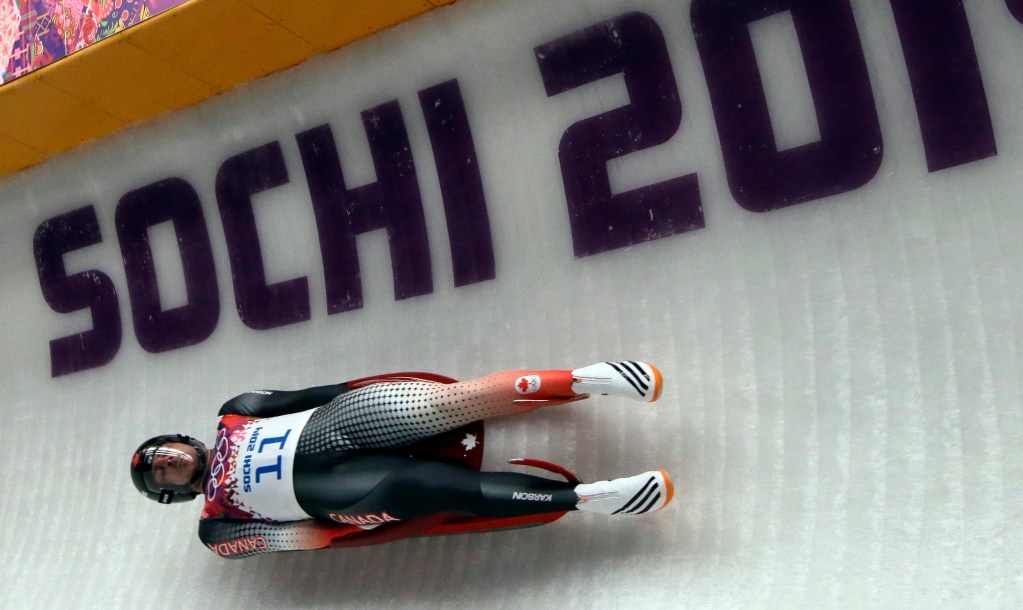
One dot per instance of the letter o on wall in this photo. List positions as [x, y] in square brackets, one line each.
[171, 200]
[848, 155]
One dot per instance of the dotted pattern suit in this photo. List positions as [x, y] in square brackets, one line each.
[348, 463]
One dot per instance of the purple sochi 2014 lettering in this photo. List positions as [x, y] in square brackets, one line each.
[174, 200]
[340, 216]
[948, 90]
[259, 306]
[461, 186]
[1016, 8]
[399, 204]
[847, 156]
[392, 202]
[65, 293]
[634, 46]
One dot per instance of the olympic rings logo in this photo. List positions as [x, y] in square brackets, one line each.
[221, 451]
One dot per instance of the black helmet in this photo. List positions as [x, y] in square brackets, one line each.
[142, 467]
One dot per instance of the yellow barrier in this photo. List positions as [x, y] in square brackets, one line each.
[173, 60]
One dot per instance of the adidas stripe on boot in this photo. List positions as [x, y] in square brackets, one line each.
[629, 379]
[636, 495]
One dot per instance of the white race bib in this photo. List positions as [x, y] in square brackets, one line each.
[265, 484]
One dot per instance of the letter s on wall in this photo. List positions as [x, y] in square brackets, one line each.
[65, 293]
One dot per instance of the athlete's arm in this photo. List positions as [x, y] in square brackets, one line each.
[237, 538]
[271, 403]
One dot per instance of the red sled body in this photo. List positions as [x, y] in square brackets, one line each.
[462, 446]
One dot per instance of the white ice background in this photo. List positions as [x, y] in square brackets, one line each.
[842, 412]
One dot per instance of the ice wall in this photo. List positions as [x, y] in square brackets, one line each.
[809, 219]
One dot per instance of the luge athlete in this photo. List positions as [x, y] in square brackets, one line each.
[289, 466]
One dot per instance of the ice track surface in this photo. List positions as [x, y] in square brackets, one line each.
[842, 406]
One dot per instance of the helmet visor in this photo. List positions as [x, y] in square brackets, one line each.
[171, 466]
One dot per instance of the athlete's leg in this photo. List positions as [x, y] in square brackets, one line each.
[396, 414]
[377, 488]
[388, 415]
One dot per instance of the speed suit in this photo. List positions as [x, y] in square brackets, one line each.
[289, 466]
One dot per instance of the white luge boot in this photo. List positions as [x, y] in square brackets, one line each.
[629, 379]
[636, 495]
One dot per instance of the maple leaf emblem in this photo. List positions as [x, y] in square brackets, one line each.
[469, 442]
[527, 384]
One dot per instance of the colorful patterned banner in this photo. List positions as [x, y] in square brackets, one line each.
[34, 33]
